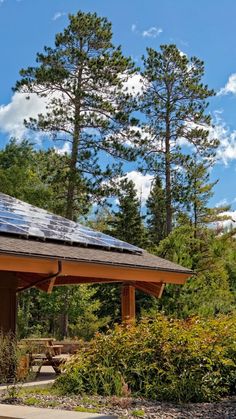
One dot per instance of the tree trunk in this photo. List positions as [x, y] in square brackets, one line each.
[195, 209]
[72, 176]
[168, 179]
[64, 318]
[75, 146]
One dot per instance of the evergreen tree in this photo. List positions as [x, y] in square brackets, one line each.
[127, 224]
[40, 313]
[156, 212]
[38, 177]
[209, 291]
[174, 103]
[82, 80]
[197, 193]
[53, 169]
[19, 175]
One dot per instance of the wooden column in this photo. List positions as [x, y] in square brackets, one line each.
[128, 303]
[8, 286]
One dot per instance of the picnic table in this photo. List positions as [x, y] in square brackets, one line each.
[44, 351]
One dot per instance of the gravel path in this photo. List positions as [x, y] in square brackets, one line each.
[129, 407]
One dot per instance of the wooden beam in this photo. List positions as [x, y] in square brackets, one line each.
[153, 289]
[32, 279]
[128, 303]
[51, 284]
[90, 270]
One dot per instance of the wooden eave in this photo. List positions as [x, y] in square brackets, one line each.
[30, 269]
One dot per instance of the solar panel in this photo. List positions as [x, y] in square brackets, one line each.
[19, 218]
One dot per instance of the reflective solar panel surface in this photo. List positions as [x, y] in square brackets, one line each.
[20, 218]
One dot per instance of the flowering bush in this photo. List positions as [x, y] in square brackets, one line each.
[160, 359]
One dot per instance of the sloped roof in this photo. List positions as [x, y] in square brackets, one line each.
[28, 231]
[26, 247]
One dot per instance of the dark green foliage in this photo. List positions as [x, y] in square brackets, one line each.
[156, 212]
[53, 169]
[39, 177]
[160, 359]
[174, 103]
[19, 175]
[208, 292]
[67, 312]
[127, 224]
[197, 192]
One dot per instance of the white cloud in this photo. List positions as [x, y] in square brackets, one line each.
[226, 151]
[223, 202]
[133, 28]
[13, 114]
[152, 32]
[229, 223]
[230, 86]
[142, 183]
[65, 149]
[58, 15]
[227, 148]
[135, 84]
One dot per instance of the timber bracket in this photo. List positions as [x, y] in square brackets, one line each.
[50, 280]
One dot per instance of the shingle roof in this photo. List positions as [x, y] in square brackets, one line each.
[25, 247]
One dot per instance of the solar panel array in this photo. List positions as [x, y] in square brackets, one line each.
[20, 218]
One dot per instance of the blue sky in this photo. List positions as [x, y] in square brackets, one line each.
[205, 28]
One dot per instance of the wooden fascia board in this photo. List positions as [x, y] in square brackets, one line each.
[89, 270]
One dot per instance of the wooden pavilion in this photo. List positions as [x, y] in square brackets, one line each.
[39, 249]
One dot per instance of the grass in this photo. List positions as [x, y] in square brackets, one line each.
[32, 401]
[44, 391]
[138, 413]
[85, 409]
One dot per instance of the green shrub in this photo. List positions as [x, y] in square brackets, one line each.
[138, 413]
[160, 359]
[8, 358]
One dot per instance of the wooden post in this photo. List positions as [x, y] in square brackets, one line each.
[128, 303]
[8, 286]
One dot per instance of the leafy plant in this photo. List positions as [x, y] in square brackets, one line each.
[8, 358]
[161, 358]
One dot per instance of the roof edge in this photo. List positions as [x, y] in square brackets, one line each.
[97, 262]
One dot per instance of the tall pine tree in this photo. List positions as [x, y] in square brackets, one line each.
[196, 195]
[174, 103]
[82, 80]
